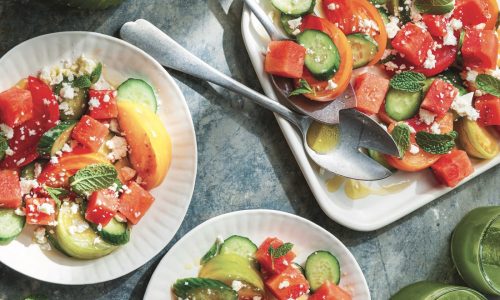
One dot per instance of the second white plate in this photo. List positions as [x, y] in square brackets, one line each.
[182, 260]
[369, 213]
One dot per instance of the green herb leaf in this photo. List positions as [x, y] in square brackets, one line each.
[436, 143]
[82, 82]
[408, 81]
[304, 88]
[96, 74]
[488, 84]
[212, 252]
[279, 252]
[93, 178]
[56, 194]
[4, 145]
[435, 7]
[401, 135]
[389, 58]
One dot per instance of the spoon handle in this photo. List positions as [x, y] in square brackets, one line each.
[265, 20]
[172, 55]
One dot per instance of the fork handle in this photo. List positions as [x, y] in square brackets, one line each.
[169, 53]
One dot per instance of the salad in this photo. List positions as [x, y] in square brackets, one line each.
[78, 158]
[235, 268]
[427, 70]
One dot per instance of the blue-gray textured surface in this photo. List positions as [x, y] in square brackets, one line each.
[244, 161]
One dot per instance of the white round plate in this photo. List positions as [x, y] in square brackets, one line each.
[121, 61]
[183, 259]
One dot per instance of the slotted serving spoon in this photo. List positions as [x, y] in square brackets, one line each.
[356, 131]
[324, 112]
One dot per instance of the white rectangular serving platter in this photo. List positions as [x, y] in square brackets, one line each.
[367, 214]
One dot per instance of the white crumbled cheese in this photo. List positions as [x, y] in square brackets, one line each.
[296, 31]
[27, 185]
[430, 61]
[495, 73]
[94, 103]
[106, 98]
[426, 116]
[236, 285]
[78, 226]
[368, 24]
[435, 128]
[99, 227]
[9, 152]
[331, 85]
[456, 24]
[118, 147]
[392, 27]
[421, 25]
[101, 84]
[284, 284]
[414, 13]
[309, 51]
[19, 212]
[257, 298]
[74, 208]
[46, 102]
[67, 91]
[86, 65]
[66, 148]
[113, 126]
[391, 66]
[295, 23]
[120, 219]
[414, 149]
[66, 109]
[462, 105]
[54, 160]
[449, 39]
[333, 6]
[39, 235]
[480, 26]
[7, 131]
[471, 75]
[46, 208]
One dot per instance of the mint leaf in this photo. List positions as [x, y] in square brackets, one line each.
[56, 194]
[436, 143]
[96, 74]
[488, 84]
[408, 81]
[92, 178]
[82, 82]
[435, 7]
[280, 251]
[4, 145]
[304, 88]
[401, 135]
[213, 251]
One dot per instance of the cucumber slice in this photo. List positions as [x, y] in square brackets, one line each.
[284, 19]
[364, 48]
[54, 139]
[83, 245]
[239, 245]
[402, 105]
[74, 109]
[380, 158]
[294, 7]
[203, 289]
[115, 233]
[11, 225]
[137, 91]
[322, 57]
[213, 251]
[51, 236]
[322, 266]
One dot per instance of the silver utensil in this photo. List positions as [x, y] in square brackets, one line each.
[324, 112]
[356, 131]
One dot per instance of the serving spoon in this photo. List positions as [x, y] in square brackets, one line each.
[356, 131]
[324, 112]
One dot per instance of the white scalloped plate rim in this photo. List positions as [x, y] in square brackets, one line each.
[183, 258]
[121, 60]
[373, 212]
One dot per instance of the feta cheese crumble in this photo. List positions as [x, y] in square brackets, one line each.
[331, 85]
[462, 105]
[426, 116]
[7, 131]
[430, 61]
[118, 147]
[236, 285]
[392, 27]
[414, 149]
[67, 91]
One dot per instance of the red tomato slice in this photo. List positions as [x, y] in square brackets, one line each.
[276, 265]
[102, 207]
[16, 106]
[480, 49]
[26, 136]
[289, 284]
[40, 211]
[106, 108]
[452, 168]
[445, 57]
[135, 202]
[370, 92]
[10, 197]
[414, 43]
[353, 16]
[489, 110]
[343, 75]
[439, 97]
[330, 291]
[90, 133]
[285, 59]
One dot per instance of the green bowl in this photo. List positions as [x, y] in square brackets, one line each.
[89, 4]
